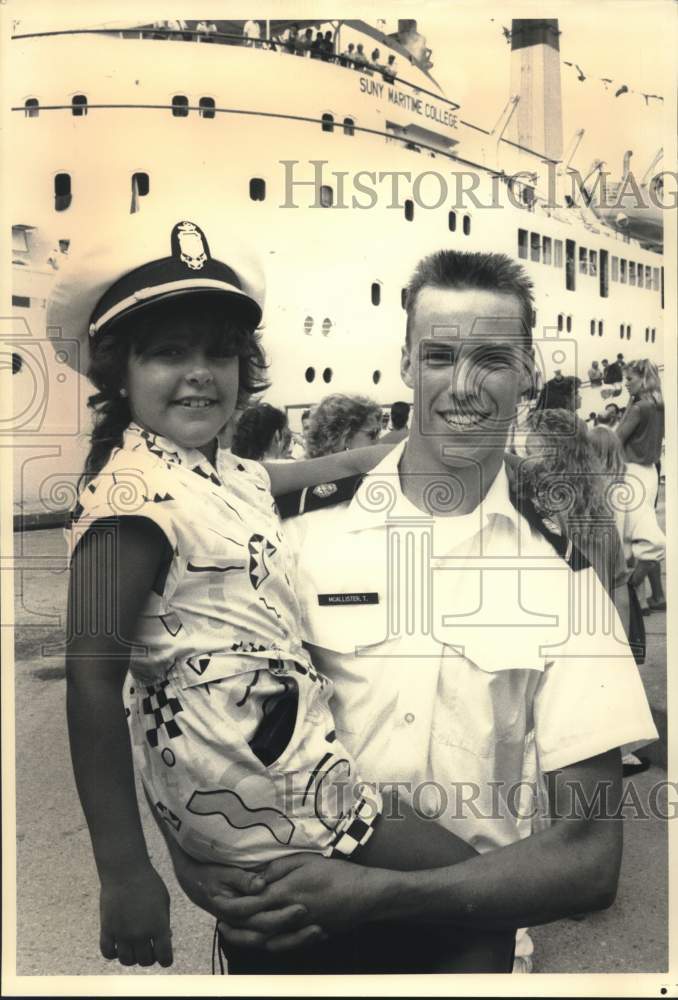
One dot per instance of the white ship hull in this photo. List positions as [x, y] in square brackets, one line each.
[334, 318]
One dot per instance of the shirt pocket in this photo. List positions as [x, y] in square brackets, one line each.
[345, 621]
[479, 710]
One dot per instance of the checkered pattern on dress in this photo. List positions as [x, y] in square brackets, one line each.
[355, 830]
[163, 710]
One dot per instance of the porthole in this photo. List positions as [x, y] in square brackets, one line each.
[141, 184]
[327, 325]
[326, 196]
[257, 188]
[79, 106]
[206, 107]
[467, 225]
[452, 221]
[62, 192]
[409, 209]
[376, 376]
[327, 121]
[403, 298]
[375, 293]
[349, 126]
[180, 106]
[568, 324]
[309, 374]
[327, 375]
[32, 107]
[308, 325]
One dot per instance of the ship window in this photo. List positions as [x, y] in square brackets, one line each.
[62, 192]
[647, 334]
[308, 325]
[17, 363]
[327, 375]
[568, 324]
[654, 330]
[593, 263]
[32, 107]
[403, 297]
[615, 268]
[376, 376]
[535, 247]
[79, 105]
[376, 293]
[560, 322]
[19, 240]
[558, 253]
[452, 222]
[546, 249]
[349, 126]
[632, 272]
[583, 260]
[600, 328]
[327, 326]
[655, 272]
[628, 332]
[622, 271]
[141, 184]
[257, 188]
[534, 319]
[593, 327]
[21, 300]
[527, 195]
[467, 225]
[180, 106]
[206, 107]
[64, 245]
[309, 374]
[570, 274]
[327, 123]
[522, 243]
[326, 196]
[409, 209]
[648, 276]
[621, 331]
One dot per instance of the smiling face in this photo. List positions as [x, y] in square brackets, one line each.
[468, 364]
[183, 382]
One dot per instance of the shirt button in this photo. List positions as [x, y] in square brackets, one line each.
[409, 717]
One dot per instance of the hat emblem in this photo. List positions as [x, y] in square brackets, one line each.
[324, 490]
[191, 244]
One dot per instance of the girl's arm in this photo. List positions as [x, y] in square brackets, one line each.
[108, 586]
[289, 476]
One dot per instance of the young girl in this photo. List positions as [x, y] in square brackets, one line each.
[179, 573]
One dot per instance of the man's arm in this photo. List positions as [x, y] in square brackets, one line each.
[572, 866]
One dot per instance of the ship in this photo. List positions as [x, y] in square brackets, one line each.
[342, 172]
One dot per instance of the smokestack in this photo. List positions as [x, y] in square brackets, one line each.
[535, 76]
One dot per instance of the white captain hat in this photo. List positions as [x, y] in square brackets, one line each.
[141, 258]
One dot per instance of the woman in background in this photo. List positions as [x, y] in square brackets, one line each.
[262, 433]
[341, 423]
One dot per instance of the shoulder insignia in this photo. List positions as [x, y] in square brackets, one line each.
[316, 498]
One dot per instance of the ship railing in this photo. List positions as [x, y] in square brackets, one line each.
[290, 46]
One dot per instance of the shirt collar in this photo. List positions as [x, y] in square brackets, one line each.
[167, 450]
[379, 500]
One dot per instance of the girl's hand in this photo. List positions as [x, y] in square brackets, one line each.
[135, 925]
[307, 891]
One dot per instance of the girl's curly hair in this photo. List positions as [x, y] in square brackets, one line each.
[111, 351]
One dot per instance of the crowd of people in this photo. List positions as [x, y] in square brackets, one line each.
[303, 787]
[309, 43]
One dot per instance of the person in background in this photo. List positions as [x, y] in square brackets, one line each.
[252, 33]
[360, 59]
[641, 432]
[327, 51]
[610, 416]
[595, 374]
[562, 476]
[292, 38]
[262, 433]
[643, 540]
[348, 55]
[390, 71]
[613, 374]
[400, 414]
[560, 393]
[341, 423]
[592, 418]
[298, 449]
[374, 59]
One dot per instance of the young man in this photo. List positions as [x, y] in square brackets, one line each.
[462, 674]
[400, 414]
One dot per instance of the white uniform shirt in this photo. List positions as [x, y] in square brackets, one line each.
[460, 652]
